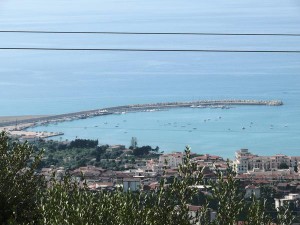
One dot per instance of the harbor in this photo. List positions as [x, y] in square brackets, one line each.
[225, 104]
[21, 126]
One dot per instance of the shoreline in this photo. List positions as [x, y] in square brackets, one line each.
[20, 123]
[14, 119]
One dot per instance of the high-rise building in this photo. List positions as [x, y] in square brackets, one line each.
[133, 142]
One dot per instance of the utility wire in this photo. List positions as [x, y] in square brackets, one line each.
[149, 33]
[151, 50]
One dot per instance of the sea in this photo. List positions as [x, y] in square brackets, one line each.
[55, 82]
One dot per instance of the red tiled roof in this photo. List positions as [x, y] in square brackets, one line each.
[123, 175]
[194, 207]
[282, 184]
[154, 185]
[251, 187]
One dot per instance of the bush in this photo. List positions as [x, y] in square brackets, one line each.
[19, 186]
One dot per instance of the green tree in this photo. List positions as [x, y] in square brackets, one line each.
[257, 214]
[284, 216]
[227, 193]
[18, 183]
[141, 151]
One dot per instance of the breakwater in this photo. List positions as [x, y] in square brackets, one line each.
[140, 108]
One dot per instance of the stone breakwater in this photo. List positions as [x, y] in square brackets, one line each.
[138, 108]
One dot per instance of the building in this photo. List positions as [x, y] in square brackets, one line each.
[152, 165]
[208, 158]
[252, 190]
[53, 172]
[112, 148]
[171, 160]
[133, 143]
[101, 186]
[131, 184]
[246, 161]
[291, 198]
[242, 160]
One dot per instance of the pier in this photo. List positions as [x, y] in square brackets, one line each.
[35, 121]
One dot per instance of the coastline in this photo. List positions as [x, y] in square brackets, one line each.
[20, 123]
[14, 119]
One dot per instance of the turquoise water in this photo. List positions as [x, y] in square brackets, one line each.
[59, 82]
[267, 130]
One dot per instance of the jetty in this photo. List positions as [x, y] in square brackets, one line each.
[36, 121]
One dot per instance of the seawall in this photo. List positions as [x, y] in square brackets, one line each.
[140, 108]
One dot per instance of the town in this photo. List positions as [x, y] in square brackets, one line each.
[141, 169]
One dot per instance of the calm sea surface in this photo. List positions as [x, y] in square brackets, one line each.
[39, 82]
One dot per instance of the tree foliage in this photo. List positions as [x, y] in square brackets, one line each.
[284, 216]
[83, 143]
[229, 197]
[143, 151]
[19, 184]
[257, 214]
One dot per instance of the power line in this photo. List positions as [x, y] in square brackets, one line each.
[149, 33]
[151, 50]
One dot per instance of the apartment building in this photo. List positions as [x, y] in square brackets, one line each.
[246, 161]
[171, 160]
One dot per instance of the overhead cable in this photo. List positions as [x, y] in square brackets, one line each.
[149, 33]
[150, 50]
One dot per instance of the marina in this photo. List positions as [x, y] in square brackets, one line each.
[223, 104]
[172, 130]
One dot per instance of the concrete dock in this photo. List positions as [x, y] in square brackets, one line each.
[41, 120]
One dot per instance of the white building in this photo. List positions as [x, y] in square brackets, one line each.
[171, 160]
[271, 173]
[287, 199]
[241, 160]
[246, 161]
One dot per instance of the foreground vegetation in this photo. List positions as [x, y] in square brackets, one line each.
[25, 199]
